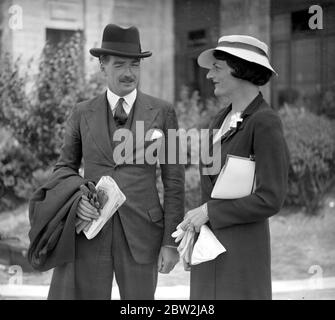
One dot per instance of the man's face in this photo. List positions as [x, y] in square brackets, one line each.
[122, 74]
[225, 83]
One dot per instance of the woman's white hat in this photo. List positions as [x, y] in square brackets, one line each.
[244, 47]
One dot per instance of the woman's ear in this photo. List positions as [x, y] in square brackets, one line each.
[102, 68]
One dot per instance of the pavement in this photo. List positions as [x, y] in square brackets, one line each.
[309, 289]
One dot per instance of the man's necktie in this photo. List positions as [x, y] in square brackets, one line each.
[120, 116]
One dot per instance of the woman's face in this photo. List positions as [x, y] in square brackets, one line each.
[225, 84]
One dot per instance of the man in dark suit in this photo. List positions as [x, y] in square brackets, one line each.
[136, 242]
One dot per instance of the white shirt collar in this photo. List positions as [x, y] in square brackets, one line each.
[128, 103]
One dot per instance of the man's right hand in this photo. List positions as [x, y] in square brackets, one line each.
[86, 211]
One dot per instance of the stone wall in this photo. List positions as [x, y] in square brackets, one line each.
[27, 42]
[97, 14]
[248, 17]
[154, 18]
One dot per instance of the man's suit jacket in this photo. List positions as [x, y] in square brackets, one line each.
[241, 225]
[147, 225]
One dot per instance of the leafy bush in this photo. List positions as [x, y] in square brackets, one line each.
[311, 141]
[317, 102]
[17, 164]
[36, 120]
[288, 96]
[58, 86]
[328, 102]
[13, 98]
[192, 188]
[95, 85]
[192, 113]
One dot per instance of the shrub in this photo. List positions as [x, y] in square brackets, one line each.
[288, 96]
[36, 120]
[58, 86]
[317, 102]
[311, 141]
[12, 90]
[192, 113]
[192, 188]
[95, 85]
[328, 102]
[17, 165]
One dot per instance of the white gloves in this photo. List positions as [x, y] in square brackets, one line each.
[207, 246]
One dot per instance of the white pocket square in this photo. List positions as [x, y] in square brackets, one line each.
[156, 135]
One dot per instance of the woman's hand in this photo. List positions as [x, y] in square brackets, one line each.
[195, 218]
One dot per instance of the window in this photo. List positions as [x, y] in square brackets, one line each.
[55, 36]
[299, 21]
[196, 38]
[304, 58]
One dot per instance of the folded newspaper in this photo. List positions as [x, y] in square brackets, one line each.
[115, 199]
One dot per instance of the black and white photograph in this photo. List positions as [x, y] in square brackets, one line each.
[167, 150]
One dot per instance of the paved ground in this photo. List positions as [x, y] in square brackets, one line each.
[310, 289]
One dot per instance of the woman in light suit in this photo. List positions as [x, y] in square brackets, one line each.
[247, 127]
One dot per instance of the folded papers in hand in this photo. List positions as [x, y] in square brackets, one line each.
[115, 199]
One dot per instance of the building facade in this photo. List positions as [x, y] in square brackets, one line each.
[55, 20]
[176, 31]
[303, 57]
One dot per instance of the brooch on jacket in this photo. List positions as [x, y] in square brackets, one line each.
[235, 120]
[235, 123]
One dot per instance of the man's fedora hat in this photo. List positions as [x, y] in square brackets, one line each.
[118, 41]
[244, 47]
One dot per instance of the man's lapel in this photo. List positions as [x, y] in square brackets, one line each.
[97, 121]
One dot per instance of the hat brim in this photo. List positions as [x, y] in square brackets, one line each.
[97, 52]
[206, 58]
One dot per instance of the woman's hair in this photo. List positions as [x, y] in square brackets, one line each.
[245, 70]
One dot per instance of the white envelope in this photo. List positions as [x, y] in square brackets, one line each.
[207, 246]
[237, 178]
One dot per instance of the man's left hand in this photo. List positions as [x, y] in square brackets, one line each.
[167, 259]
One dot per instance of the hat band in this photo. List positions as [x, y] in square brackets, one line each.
[121, 46]
[238, 45]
